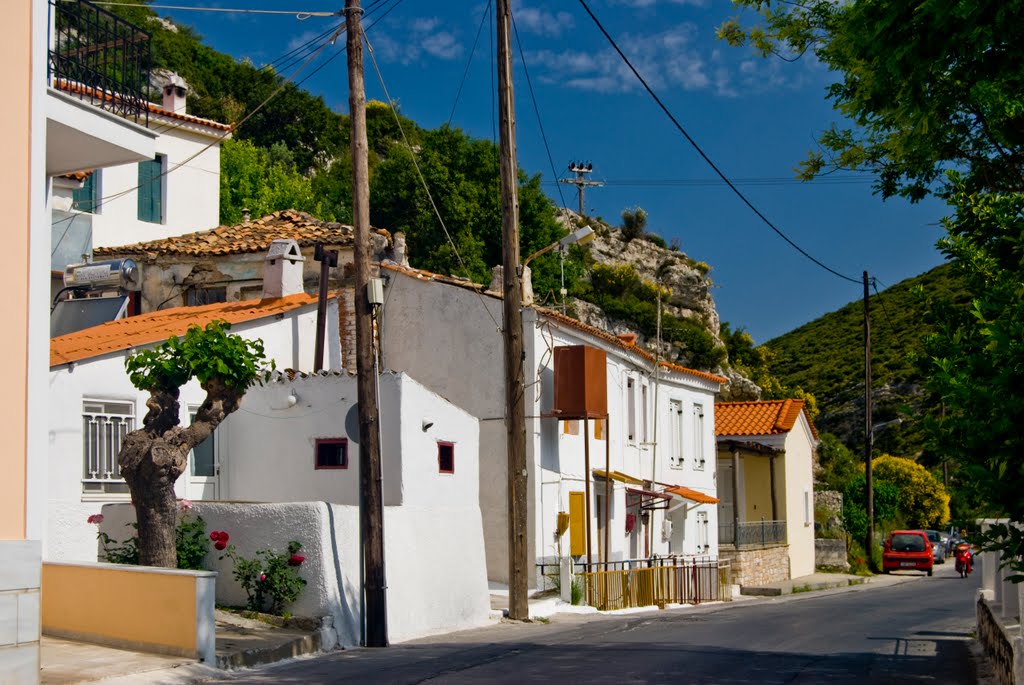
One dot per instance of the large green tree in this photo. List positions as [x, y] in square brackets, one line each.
[923, 86]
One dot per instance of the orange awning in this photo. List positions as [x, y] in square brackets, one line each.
[619, 476]
[691, 494]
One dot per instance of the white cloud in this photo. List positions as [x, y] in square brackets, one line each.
[643, 4]
[409, 41]
[541, 21]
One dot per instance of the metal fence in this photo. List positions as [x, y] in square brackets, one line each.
[655, 582]
[752, 533]
[97, 56]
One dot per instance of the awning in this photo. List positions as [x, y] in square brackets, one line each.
[647, 493]
[619, 476]
[649, 499]
[691, 494]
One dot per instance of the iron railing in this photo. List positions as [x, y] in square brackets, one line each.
[99, 57]
[752, 533]
[672, 580]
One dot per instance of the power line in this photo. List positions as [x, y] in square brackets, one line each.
[536, 109]
[301, 16]
[751, 181]
[469, 62]
[704, 155]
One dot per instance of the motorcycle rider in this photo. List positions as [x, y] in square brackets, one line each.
[964, 557]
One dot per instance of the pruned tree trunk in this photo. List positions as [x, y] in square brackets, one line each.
[154, 456]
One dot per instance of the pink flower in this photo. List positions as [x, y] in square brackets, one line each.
[95, 518]
[186, 504]
[263, 577]
[296, 560]
[220, 545]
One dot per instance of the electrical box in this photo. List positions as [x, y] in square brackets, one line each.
[581, 382]
[375, 291]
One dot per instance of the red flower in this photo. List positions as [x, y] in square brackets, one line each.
[95, 518]
[215, 535]
[296, 560]
[263, 576]
[220, 545]
[219, 536]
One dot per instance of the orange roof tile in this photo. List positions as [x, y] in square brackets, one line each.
[771, 417]
[73, 87]
[557, 316]
[157, 326]
[254, 236]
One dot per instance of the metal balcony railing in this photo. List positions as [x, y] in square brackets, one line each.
[752, 533]
[99, 57]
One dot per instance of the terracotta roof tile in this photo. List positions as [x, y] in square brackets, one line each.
[254, 236]
[73, 87]
[771, 417]
[157, 326]
[557, 316]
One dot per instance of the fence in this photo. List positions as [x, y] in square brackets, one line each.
[655, 582]
[752, 533]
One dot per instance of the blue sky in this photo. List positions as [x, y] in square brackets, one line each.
[755, 118]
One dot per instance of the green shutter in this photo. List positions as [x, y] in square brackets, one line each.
[150, 190]
[84, 198]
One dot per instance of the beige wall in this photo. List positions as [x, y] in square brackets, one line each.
[130, 606]
[15, 140]
[757, 480]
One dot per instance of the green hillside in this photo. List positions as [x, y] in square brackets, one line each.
[826, 358]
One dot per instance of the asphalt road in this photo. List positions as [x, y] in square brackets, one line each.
[911, 630]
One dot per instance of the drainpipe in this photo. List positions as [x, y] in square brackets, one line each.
[735, 493]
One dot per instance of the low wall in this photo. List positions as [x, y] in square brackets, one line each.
[830, 555]
[759, 566]
[1004, 649]
[131, 607]
[435, 567]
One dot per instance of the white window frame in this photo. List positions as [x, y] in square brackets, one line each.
[105, 423]
[703, 532]
[699, 459]
[644, 412]
[631, 410]
[675, 422]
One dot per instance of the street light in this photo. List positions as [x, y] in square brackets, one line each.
[876, 428]
[580, 236]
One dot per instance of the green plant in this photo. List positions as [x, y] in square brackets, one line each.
[271, 580]
[115, 552]
[190, 538]
[576, 591]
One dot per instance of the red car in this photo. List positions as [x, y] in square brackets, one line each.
[908, 550]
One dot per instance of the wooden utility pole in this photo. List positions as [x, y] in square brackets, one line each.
[512, 324]
[581, 181]
[327, 259]
[372, 509]
[869, 435]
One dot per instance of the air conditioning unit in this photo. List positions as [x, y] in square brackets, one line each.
[666, 530]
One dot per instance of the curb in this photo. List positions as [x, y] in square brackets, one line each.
[789, 589]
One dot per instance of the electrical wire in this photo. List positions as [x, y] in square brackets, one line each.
[767, 181]
[881, 302]
[704, 155]
[469, 62]
[301, 16]
[536, 109]
[419, 173]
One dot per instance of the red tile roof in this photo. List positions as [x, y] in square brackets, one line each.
[73, 87]
[771, 417]
[254, 236]
[156, 327]
[557, 316]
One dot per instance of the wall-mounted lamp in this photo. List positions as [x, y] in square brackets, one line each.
[292, 399]
[427, 423]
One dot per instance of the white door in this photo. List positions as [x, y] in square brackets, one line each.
[203, 467]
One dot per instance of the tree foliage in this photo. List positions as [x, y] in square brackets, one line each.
[925, 86]
[154, 456]
[837, 465]
[923, 501]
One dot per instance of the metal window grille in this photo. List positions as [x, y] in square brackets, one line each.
[104, 427]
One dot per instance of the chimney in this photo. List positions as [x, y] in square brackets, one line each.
[246, 215]
[174, 93]
[628, 338]
[282, 269]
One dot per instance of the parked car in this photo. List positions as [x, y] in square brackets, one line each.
[938, 546]
[907, 550]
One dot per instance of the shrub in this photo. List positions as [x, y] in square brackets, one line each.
[270, 580]
[190, 540]
[656, 239]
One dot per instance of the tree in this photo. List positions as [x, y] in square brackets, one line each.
[923, 501]
[926, 86]
[152, 457]
[634, 223]
[837, 465]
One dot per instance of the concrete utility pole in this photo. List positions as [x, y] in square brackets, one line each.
[512, 324]
[869, 435]
[581, 181]
[372, 509]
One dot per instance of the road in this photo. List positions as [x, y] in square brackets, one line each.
[911, 629]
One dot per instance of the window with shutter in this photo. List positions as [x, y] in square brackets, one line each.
[84, 199]
[151, 190]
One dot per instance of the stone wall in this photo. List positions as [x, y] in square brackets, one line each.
[754, 567]
[830, 555]
[830, 501]
[1004, 650]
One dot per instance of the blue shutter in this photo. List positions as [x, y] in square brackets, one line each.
[151, 190]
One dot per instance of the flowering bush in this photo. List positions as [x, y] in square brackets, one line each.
[220, 540]
[190, 540]
[270, 580]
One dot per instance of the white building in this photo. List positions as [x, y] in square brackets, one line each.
[174, 190]
[659, 434]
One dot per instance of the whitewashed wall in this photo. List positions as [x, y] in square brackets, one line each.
[191, 200]
[799, 497]
[289, 341]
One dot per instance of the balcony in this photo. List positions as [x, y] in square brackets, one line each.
[100, 58]
[747, 534]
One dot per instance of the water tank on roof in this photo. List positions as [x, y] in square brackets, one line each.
[113, 274]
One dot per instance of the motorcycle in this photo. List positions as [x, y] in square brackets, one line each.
[964, 559]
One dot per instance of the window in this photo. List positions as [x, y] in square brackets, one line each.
[599, 429]
[85, 199]
[105, 423]
[204, 464]
[643, 413]
[630, 410]
[702, 532]
[196, 297]
[698, 436]
[675, 419]
[332, 453]
[151, 190]
[446, 457]
[571, 427]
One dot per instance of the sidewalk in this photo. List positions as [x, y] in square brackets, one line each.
[813, 582]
